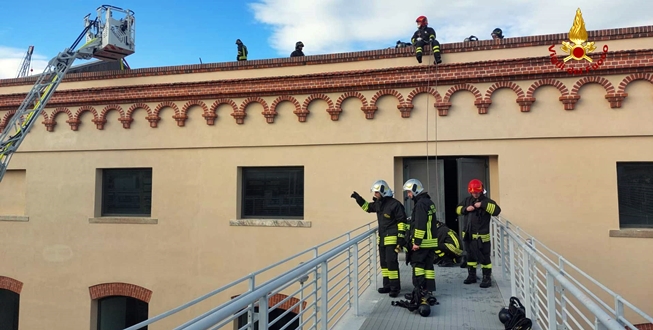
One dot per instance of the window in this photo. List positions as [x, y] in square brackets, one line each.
[120, 312]
[635, 191]
[273, 192]
[127, 192]
[9, 303]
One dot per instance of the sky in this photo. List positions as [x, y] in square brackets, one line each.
[176, 32]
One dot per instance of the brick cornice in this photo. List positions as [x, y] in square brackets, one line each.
[457, 47]
[620, 62]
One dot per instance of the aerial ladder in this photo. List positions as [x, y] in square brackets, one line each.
[107, 39]
[27, 61]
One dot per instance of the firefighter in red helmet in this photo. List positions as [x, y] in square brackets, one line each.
[425, 35]
[479, 209]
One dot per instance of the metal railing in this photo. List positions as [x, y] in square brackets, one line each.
[320, 289]
[552, 296]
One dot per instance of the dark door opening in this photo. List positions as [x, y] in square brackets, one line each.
[453, 173]
[9, 304]
[120, 312]
[272, 315]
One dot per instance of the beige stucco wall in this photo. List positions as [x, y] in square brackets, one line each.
[555, 169]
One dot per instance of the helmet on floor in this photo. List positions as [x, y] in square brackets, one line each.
[475, 186]
[413, 185]
[382, 188]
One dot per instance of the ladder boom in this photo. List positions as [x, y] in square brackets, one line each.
[110, 39]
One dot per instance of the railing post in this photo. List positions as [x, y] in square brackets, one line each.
[563, 303]
[263, 312]
[374, 268]
[527, 281]
[503, 251]
[349, 266]
[324, 296]
[551, 301]
[618, 308]
[250, 311]
[355, 278]
[316, 307]
[513, 277]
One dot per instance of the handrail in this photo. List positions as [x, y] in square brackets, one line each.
[242, 301]
[251, 276]
[532, 250]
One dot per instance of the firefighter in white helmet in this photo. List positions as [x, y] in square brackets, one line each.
[391, 217]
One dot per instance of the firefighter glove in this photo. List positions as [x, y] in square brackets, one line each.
[358, 198]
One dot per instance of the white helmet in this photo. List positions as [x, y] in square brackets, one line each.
[414, 185]
[382, 188]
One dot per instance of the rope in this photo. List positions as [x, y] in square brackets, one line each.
[428, 172]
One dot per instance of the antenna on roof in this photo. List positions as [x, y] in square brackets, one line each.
[201, 61]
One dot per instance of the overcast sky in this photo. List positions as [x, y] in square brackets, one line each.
[270, 28]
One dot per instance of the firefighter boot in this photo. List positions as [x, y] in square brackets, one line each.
[418, 56]
[437, 57]
[487, 278]
[383, 290]
[471, 277]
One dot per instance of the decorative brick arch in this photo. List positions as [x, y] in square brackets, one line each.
[632, 77]
[5, 119]
[11, 284]
[372, 108]
[286, 305]
[51, 121]
[241, 113]
[99, 122]
[285, 98]
[212, 115]
[124, 119]
[479, 102]
[183, 114]
[166, 104]
[120, 289]
[335, 111]
[609, 89]
[422, 90]
[151, 117]
[331, 109]
[568, 100]
[524, 104]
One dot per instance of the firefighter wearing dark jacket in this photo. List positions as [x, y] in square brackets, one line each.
[448, 251]
[479, 209]
[424, 240]
[391, 217]
[425, 35]
[298, 49]
[242, 51]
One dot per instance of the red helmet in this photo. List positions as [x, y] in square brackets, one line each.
[422, 21]
[475, 186]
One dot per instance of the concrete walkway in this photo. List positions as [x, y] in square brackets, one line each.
[460, 306]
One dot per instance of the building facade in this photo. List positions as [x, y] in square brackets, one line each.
[143, 189]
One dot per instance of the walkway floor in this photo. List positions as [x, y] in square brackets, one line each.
[460, 306]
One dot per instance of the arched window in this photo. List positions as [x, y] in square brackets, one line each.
[9, 302]
[117, 306]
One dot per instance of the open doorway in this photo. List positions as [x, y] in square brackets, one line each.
[446, 182]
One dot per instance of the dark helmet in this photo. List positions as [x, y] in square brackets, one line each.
[498, 33]
[299, 44]
[471, 38]
[504, 315]
[238, 42]
[424, 310]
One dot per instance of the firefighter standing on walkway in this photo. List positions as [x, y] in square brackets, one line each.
[479, 209]
[242, 51]
[391, 217]
[448, 251]
[425, 35]
[424, 241]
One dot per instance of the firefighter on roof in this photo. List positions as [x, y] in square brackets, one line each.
[425, 35]
[479, 209]
[391, 218]
[298, 49]
[242, 51]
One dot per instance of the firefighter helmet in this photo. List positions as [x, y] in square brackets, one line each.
[413, 185]
[504, 315]
[299, 44]
[475, 186]
[498, 32]
[422, 21]
[382, 188]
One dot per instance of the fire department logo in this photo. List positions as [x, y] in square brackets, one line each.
[577, 48]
